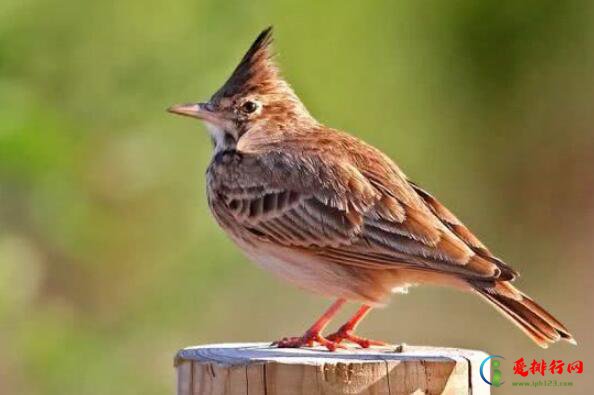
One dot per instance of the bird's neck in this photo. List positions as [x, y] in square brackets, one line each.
[274, 133]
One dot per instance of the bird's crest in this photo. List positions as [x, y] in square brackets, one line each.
[255, 72]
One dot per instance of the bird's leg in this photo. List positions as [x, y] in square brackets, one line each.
[313, 334]
[345, 332]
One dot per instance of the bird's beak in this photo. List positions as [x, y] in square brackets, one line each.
[195, 110]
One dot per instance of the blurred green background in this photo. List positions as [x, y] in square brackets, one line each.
[109, 258]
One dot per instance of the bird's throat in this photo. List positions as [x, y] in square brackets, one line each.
[222, 140]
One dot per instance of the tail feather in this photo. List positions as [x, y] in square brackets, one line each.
[536, 322]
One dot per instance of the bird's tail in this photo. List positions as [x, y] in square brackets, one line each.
[536, 322]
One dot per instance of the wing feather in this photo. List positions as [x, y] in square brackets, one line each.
[348, 213]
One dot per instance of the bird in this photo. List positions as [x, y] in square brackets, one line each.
[334, 215]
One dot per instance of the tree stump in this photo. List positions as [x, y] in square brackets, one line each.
[258, 369]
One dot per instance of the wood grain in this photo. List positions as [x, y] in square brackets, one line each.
[258, 369]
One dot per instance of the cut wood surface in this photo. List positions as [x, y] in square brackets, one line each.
[258, 369]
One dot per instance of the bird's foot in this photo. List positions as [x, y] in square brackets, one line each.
[345, 333]
[309, 339]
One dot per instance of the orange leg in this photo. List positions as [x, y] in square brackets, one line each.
[313, 334]
[345, 332]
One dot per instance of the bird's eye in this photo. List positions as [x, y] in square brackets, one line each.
[249, 107]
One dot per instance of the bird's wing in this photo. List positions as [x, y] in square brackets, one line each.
[462, 232]
[296, 201]
[350, 213]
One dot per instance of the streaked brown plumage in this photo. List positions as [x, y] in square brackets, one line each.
[332, 214]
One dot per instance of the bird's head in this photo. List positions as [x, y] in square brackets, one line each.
[254, 97]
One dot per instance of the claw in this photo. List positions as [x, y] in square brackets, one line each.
[307, 340]
[346, 334]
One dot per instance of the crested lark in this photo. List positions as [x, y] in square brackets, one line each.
[334, 215]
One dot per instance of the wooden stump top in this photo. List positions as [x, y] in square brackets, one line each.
[257, 368]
